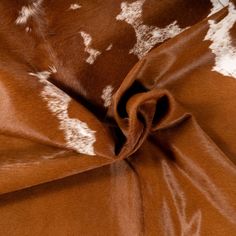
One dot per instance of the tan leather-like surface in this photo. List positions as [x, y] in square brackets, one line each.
[117, 118]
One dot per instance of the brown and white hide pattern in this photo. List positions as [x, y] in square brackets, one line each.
[133, 101]
[72, 62]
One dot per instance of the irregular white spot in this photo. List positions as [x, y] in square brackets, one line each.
[28, 11]
[28, 29]
[42, 75]
[93, 53]
[109, 47]
[74, 6]
[24, 14]
[53, 69]
[224, 2]
[78, 135]
[147, 36]
[107, 95]
[15, 165]
[222, 47]
[52, 156]
[218, 5]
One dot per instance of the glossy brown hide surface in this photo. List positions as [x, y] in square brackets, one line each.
[152, 155]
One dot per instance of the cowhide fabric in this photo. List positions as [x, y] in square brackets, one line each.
[117, 117]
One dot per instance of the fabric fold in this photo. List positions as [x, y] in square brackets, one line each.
[137, 111]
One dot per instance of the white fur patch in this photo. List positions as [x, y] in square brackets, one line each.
[224, 2]
[222, 47]
[42, 75]
[109, 47]
[218, 5]
[93, 53]
[74, 6]
[107, 95]
[147, 36]
[78, 135]
[28, 29]
[53, 69]
[28, 11]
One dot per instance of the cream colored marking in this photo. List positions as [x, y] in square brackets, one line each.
[147, 36]
[221, 46]
[107, 95]
[28, 29]
[109, 47]
[14, 165]
[93, 53]
[53, 69]
[28, 11]
[78, 135]
[74, 6]
[54, 155]
[218, 5]
[224, 2]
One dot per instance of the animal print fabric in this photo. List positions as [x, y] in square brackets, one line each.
[117, 117]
